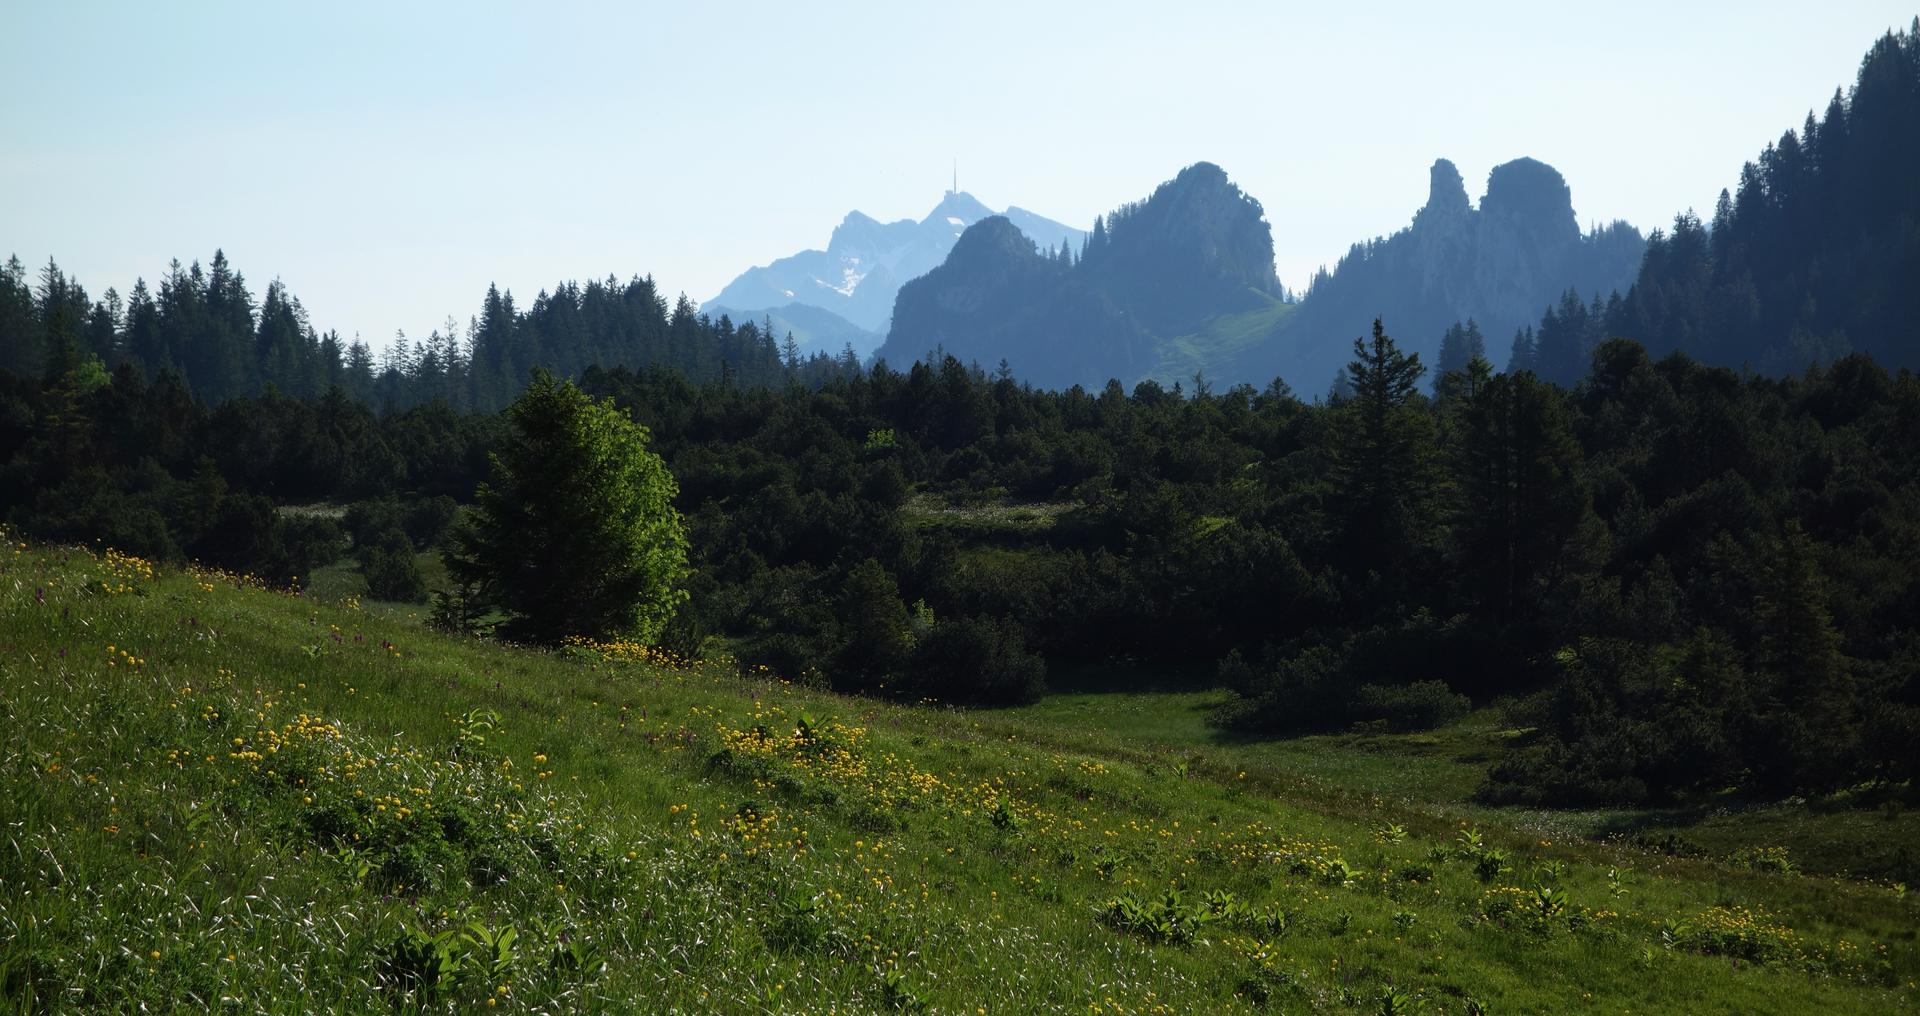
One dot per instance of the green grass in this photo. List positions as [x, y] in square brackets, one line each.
[256, 802]
[1220, 339]
[343, 580]
[1437, 772]
[979, 518]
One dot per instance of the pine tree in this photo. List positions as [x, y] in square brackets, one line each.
[575, 532]
[1460, 345]
[229, 367]
[20, 336]
[877, 635]
[62, 312]
[1521, 356]
[790, 354]
[1384, 457]
[143, 344]
[492, 381]
[1522, 499]
[1815, 721]
[358, 373]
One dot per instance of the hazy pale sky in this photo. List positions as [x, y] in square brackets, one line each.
[389, 160]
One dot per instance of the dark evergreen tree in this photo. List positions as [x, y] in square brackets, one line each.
[20, 338]
[1460, 345]
[1384, 457]
[1813, 724]
[1521, 355]
[1522, 496]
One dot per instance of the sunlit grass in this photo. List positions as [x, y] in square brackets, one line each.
[216, 796]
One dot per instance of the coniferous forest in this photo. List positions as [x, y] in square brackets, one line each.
[1664, 543]
[1396, 555]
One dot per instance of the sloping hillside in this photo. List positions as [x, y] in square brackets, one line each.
[218, 797]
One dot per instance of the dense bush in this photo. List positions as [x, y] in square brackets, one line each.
[877, 634]
[1422, 705]
[1403, 677]
[424, 521]
[391, 569]
[976, 661]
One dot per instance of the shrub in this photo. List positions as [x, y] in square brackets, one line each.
[1422, 705]
[1774, 859]
[303, 543]
[1321, 688]
[391, 570]
[878, 630]
[1736, 932]
[977, 661]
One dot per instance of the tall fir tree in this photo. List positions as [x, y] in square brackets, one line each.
[1384, 458]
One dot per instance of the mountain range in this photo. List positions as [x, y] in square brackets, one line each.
[1162, 287]
[1812, 256]
[1183, 283]
[1498, 265]
[844, 295]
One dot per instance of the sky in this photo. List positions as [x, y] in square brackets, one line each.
[388, 161]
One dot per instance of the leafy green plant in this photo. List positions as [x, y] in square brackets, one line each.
[572, 954]
[897, 995]
[490, 948]
[1397, 1001]
[797, 926]
[1002, 817]
[471, 729]
[1469, 843]
[421, 964]
[1548, 903]
[1772, 859]
[1169, 919]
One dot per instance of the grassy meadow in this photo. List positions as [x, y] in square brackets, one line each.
[219, 797]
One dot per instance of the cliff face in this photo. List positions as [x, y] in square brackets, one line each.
[996, 298]
[1154, 270]
[1501, 265]
[1198, 246]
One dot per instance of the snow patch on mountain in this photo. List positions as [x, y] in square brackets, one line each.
[866, 261]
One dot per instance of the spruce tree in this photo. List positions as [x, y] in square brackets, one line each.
[1813, 734]
[19, 323]
[576, 532]
[1383, 456]
[1522, 495]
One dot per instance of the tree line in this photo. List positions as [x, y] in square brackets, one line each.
[204, 328]
[1679, 578]
[1813, 254]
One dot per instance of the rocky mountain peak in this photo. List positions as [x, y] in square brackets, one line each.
[1446, 191]
[957, 205]
[1532, 197]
